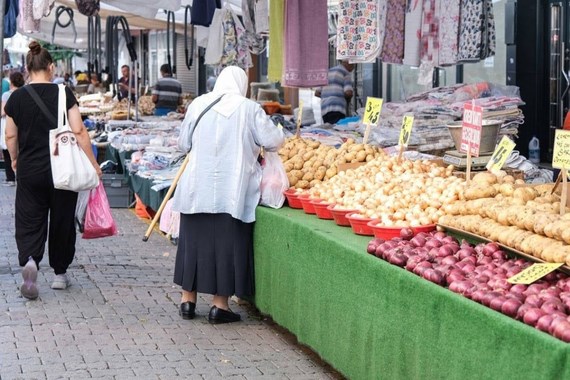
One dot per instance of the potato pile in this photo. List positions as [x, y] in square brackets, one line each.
[308, 162]
[524, 218]
[409, 193]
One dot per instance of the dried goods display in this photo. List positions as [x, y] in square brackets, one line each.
[308, 162]
[480, 273]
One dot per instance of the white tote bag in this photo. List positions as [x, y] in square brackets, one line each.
[70, 167]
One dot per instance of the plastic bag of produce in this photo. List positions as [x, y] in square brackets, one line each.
[274, 181]
[98, 219]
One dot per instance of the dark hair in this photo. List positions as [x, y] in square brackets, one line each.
[17, 79]
[127, 66]
[38, 58]
[166, 69]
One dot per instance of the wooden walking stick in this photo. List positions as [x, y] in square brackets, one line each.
[166, 197]
[177, 177]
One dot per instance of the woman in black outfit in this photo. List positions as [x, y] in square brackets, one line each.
[27, 138]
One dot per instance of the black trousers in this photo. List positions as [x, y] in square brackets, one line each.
[333, 117]
[10, 175]
[37, 202]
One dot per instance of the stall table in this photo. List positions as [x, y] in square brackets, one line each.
[372, 320]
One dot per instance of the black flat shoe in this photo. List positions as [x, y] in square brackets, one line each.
[187, 310]
[218, 315]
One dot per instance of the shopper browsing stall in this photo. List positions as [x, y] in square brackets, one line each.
[42, 212]
[167, 93]
[126, 84]
[218, 193]
[337, 94]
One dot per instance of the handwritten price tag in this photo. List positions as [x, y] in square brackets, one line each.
[561, 153]
[373, 109]
[500, 155]
[471, 131]
[406, 132]
[533, 273]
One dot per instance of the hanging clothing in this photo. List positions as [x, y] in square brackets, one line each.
[42, 8]
[393, 46]
[306, 43]
[360, 29]
[449, 31]
[412, 32]
[276, 31]
[202, 11]
[251, 18]
[88, 8]
[26, 22]
[471, 31]
[10, 18]
[215, 45]
[429, 48]
[235, 51]
[489, 42]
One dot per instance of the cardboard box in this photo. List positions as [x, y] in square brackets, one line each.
[118, 192]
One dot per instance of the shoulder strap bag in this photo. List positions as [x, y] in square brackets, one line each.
[70, 167]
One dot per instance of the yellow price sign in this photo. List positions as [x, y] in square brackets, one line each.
[300, 115]
[561, 153]
[533, 273]
[372, 111]
[500, 155]
[406, 131]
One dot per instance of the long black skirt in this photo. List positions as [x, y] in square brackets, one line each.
[215, 255]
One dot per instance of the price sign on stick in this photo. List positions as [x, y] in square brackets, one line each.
[533, 273]
[471, 134]
[405, 133]
[299, 118]
[500, 155]
[561, 160]
[371, 115]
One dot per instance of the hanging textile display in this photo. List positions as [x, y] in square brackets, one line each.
[306, 43]
[10, 18]
[393, 46]
[448, 31]
[489, 41]
[429, 48]
[202, 12]
[254, 20]
[360, 29]
[412, 32]
[276, 18]
[215, 43]
[42, 8]
[26, 22]
[477, 31]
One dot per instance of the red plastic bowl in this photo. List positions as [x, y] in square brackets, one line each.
[308, 206]
[293, 199]
[321, 209]
[387, 233]
[359, 224]
[339, 215]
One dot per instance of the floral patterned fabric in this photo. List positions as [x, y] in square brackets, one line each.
[471, 31]
[360, 29]
[429, 48]
[412, 32]
[393, 46]
[235, 50]
[448, 31]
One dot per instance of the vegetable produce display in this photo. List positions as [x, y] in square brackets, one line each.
[480, 273]
[308, 162]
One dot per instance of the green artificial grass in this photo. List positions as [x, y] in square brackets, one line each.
[372, 320]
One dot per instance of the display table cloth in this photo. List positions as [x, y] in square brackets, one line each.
[372, 320]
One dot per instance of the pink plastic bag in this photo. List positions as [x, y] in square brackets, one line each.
[98, 219]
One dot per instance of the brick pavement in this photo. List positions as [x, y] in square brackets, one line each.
[119, 319]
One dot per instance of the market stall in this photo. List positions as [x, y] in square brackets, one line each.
[371, 319]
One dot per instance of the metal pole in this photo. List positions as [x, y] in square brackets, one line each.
[2, 10]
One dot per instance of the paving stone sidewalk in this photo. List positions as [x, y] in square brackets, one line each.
[119, 318]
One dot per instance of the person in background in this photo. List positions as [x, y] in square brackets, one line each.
[95, 85]
[82, 78]
[126, 84]
[210, 83]
[16, 81]
[218, 193]
[67, 80]
[5, 81]
[41, 211]
[337, 94]
[167, 92]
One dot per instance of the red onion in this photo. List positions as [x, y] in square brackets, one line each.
[382, 249]
[433, 243]
[453, 277]
[550, 277]
[561, 329]
[497, 303]
[489, 296]
[517, 296]
[434, 276]
[406, 233]
[413, 261]
[450, 240]
[485, 260]
[465, 252]
[511, 306]
[535, 288]
[471, 259]
[544, 322]
[532, 316]
[478, 295]
[378, 241]
[425, 235]
[439, 235]
[371, 248]
[418, 241]
[398, 259]
[445, 250]
[460, 287]
[552, 305]
[512, 271]
[499, 255]
[556, 320]
[534, 300]
[422, 265]
[468, 268]
[489, 248]
[523, 309]
[449, 260]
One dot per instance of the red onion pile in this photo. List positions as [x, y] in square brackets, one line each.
[480, 273]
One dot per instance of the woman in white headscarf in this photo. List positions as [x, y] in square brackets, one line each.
[217, 195]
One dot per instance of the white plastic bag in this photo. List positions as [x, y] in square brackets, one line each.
[81, 208]
[274, 181]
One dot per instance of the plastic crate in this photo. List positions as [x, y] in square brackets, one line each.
[118, 192]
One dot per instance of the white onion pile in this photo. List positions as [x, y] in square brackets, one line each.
[480, 273]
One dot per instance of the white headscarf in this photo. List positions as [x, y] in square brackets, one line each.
[232, 83]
